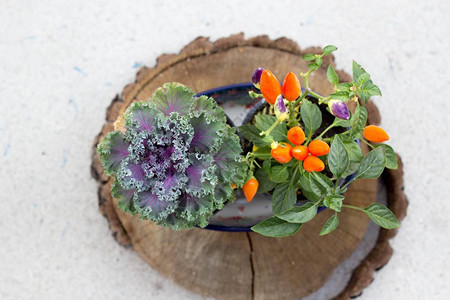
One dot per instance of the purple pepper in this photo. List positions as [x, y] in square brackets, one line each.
[256, 77]
[281, 111]
[339, 109]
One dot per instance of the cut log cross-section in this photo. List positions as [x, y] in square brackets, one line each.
[247, 265]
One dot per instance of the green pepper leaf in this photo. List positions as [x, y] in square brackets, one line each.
[322, 182]
[313, 66]
[354, 151]
[363, 78]
[357, 71]
[309, 57]
[344, 86]
[265, 184]
[300, 214]
[372, 165]
[332, 75]
[315, 185]
[311, 116]
[351, 169]
[330, 225]
[334, 202]
[328, 49]
[338, 122]
[382, 216]
[391, 157]
[263, 153]
[267, 166]
[338, 158]
[318, 61]
[283, 198]
[263, 122]
[358, 122]
[341, 95]
[276, 227]
[279, 174]
[367, 90]
[251, 133]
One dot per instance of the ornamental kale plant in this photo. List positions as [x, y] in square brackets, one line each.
[173, 158]
[296, 154]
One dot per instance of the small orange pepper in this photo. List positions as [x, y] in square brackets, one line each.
[270, 87]
[299, 152]
[318, 148]
[291, 87]
[250, 188]
[313, 164]
[296, 135]
[282, 153]
[375, 134]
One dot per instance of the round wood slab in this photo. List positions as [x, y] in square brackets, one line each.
[247, 265]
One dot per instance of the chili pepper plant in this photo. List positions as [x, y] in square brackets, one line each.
[296, 155]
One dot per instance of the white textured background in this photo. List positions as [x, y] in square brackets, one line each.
[61, 63]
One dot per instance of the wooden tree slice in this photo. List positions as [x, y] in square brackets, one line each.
[247, 265]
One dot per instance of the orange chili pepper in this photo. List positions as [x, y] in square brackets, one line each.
[313, 164]
[233, 186]
[375, 134]
[318, 148]
[269, 87]
[291, 87]
[250, 188]
[282, 153]
[296, 135]
[299, 152]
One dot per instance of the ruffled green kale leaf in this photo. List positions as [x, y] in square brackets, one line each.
[112, 150]
[173, 97]
[176, 160]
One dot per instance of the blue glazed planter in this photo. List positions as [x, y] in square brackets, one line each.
[240, 216]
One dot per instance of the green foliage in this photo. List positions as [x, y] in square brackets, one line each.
[252, 133]
[308, 57]
[328, 49]
[365, 87]
[338, 158]
[334, 202]
[315, 186]
[300, 214]
[263, 122]
[330, 225]
[390, 157]
[265, 184]
[372, 165]
[359, 119]
[341, 95]
[287, 182]
[284, 197]
[276, 227]
[279, 174]
[353, 150]
[382, 216]
[311, 116]
[332, 76]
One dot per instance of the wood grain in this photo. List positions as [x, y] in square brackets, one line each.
[241, 265]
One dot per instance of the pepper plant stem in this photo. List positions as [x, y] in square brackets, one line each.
[325, 131]
[369, 144]
[352, 207]
[272, 127]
